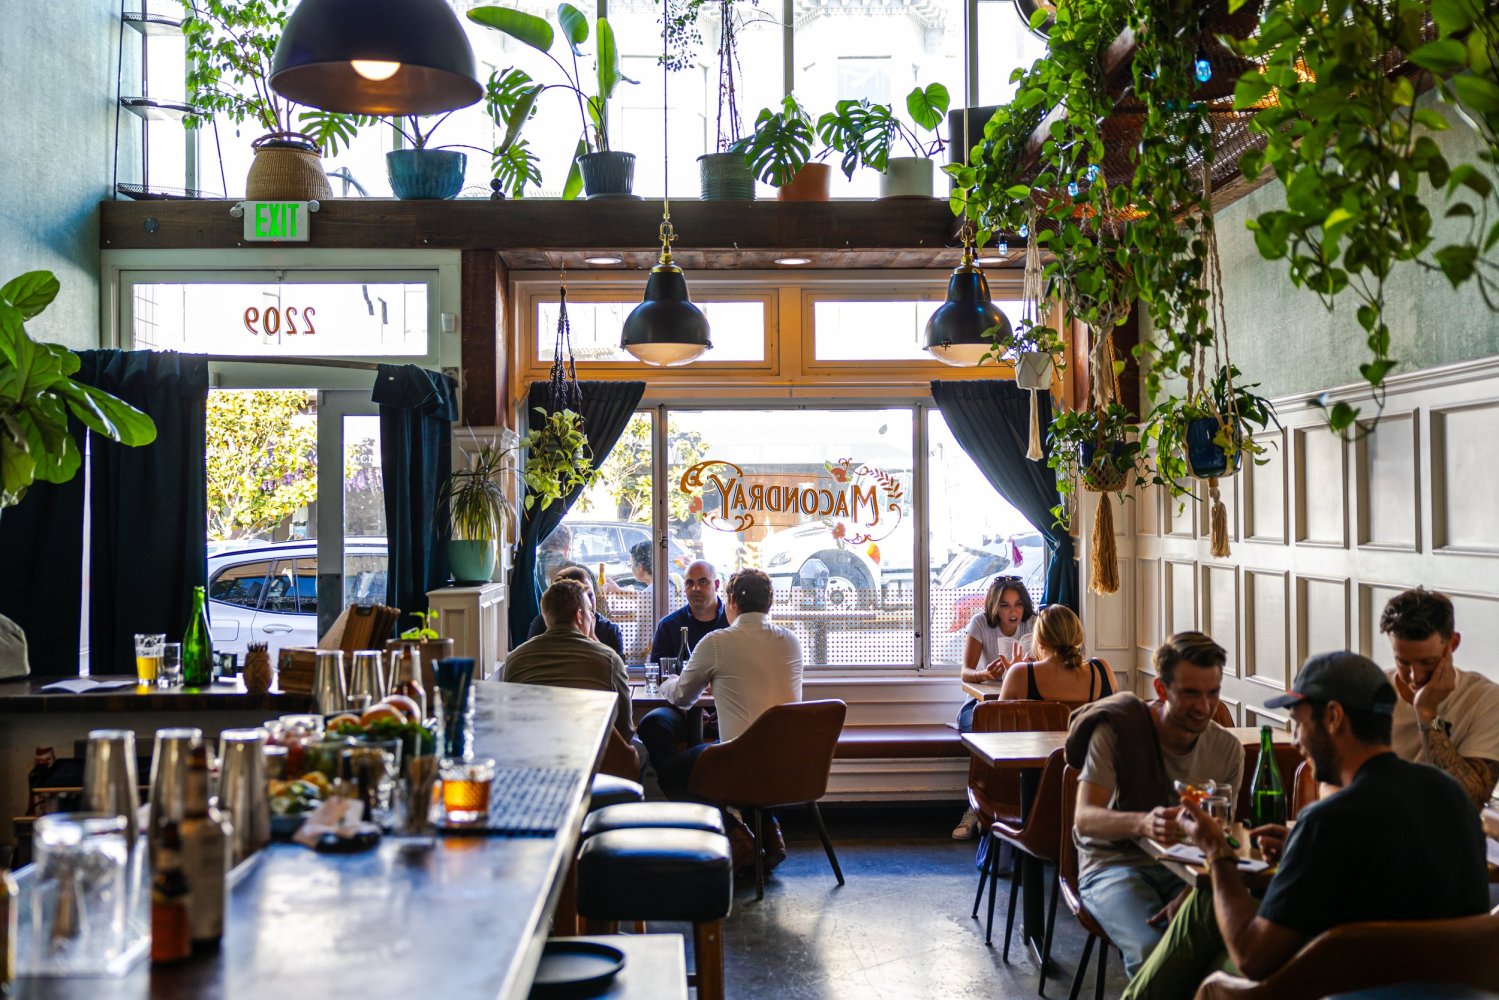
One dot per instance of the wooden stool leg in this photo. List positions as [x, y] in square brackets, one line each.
[594, 926]
[707, 949]
[759, 858]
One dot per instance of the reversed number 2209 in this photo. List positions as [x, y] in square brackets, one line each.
[275, 320]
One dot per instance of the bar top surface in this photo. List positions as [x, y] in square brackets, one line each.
[26, 695]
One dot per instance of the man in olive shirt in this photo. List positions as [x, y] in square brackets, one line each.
[566, 655]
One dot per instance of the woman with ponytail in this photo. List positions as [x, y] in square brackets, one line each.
[1057, 671]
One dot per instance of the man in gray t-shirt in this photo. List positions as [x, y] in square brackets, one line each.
[1128, 893]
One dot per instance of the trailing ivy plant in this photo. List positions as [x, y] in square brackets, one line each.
[1353, 147]
[558, 459]
[1098, 445]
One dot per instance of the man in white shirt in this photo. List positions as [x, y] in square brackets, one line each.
[1445, 717]
[753, 665]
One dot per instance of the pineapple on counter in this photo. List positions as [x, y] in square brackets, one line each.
[257, 670]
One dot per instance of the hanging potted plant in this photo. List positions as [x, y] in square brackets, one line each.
[598, 171]
[866, 133]
[779, 152]
[229, 47]
[1220, 425]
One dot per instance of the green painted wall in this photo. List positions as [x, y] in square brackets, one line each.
[1282, 337]
[57, 72]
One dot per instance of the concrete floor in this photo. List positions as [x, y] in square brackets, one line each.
[898, 929]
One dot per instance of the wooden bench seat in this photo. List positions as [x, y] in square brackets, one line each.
[935, 741]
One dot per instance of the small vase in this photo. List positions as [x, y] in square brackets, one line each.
[425, 174]
[1033, 370]
[726, 177]
[472, 562]
[907, 177]
[608, 174]
[1207, 459]
[811, 183]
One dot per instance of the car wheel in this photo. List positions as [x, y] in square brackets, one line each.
[849, 587]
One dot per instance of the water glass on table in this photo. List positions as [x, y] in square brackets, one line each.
[148, 648]
[652, 678]
[170, 674]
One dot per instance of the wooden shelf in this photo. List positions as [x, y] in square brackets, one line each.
[544, 234]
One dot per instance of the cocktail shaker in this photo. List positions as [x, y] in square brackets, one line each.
[110, 785]
[330, 690]
[169, 761]
[367, 679]
[243, 790]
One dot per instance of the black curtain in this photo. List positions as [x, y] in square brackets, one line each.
[607, 408]
[148, 507]
[417, 409]
[991, 420]
[41, 570]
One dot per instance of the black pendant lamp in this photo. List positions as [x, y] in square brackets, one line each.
[958, 333]
[376, 57]
[666, 329]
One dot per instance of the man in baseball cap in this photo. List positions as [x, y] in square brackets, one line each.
[1400, 841]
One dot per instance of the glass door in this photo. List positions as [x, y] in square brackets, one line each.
[351, 555]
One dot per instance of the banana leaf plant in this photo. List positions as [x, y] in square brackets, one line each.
[37, 394]
[593, 109]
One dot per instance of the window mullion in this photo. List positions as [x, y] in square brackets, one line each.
[921, 575]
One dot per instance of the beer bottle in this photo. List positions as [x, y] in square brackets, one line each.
[10, 909]
[1267, 794]
[406, 676]
[603, 579]
[205, 857]
[171, 933]
[197, 646]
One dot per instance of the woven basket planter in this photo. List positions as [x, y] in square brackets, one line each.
[286, 167]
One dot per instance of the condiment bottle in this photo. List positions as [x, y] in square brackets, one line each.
[205, 857]
[171, 933]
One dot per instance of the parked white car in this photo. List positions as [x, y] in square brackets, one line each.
[269, 593]
[858, 575]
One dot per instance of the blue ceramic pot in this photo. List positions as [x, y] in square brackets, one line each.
[607, 174]
[1207, 459]
[471, 561]
[425, 174]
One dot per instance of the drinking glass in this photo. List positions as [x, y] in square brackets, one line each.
[148, 657]
[465, 790]
[322, 756]
[170, 674]
[1221, 808]
[367, 772]
[669, 666]
[79, 910]
[652, 678]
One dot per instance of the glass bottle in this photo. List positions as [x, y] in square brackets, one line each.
[171, 933]
[197, 646]
[684, 651]
[1267, 794]
[10, 909]
[205, 857]
[406, 676]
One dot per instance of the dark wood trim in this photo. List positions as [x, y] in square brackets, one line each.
[26, 696]
[481, 329]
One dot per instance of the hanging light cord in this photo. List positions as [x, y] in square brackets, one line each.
[667, 232]
[965, 233]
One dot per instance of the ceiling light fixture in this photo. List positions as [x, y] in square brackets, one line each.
[603, 260]
[376, 57]
[793, 261]
[666, 328]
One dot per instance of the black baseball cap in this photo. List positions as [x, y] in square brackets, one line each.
[1351, 680]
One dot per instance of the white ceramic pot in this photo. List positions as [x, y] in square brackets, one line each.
[1033, 370]
[907, 177]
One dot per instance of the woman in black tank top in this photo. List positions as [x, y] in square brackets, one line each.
[1058, 646]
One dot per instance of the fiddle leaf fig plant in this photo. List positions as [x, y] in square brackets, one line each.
[37, 394]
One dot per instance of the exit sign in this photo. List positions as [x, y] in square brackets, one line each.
[277, 221]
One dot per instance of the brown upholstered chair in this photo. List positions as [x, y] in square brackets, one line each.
[1067, 883]
[620, 758]
[782, 759]
[1304, 789]
[994, 792]
[1040, 837]
[1224, 716]
[1364, 956]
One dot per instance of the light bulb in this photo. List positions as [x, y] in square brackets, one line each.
[1004, 248]
[1024, 231]
[1072, 189]
[1092, 172]
[1203, 68]
[375, 69]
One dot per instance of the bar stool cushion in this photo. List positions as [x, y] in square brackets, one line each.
[654, 815]
[607, 790]
[655, 874]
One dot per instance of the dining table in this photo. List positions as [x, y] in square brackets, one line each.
[643, 702]
[983, 690]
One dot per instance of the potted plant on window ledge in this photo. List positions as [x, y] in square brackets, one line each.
[866, 133]
[779, 152]
[724, 175]
[597, 170]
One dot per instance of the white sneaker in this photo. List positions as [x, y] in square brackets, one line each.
[967, 828]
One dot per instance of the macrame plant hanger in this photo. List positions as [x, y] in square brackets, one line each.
[1212, 277]
[563, 390]
[1030, 317]
[1103, 566]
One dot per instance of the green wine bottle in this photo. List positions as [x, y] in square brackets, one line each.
[1267, 795]
[197, 646]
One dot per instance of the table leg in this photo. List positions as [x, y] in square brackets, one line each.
[1032, 875]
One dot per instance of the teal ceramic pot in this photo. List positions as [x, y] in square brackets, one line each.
[472, 561]
[425, 174]
[726, 177]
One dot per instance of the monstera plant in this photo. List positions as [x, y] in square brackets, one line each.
[37, 394]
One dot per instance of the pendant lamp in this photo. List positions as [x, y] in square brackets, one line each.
[955, 333]
[376, 57]
[666, 329]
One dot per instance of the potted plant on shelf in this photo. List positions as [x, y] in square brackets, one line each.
[724, 174]
[865, 133]
[779, 152]
[229, 47]
[597, 170]
[426, 641]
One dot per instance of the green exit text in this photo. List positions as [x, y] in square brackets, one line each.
[279, 221]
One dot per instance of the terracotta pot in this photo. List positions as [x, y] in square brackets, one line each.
[811, 183]
[286, 168]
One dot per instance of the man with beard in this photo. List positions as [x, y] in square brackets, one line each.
[1129, 754]
[1350, 858]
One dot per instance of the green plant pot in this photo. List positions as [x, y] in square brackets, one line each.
[425, 174]
[726, 177]
[472, 561]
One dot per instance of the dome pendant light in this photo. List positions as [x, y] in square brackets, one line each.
[666, 329]
[376, 57]
[958, 332]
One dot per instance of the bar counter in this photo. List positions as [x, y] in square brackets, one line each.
[467, 918]
[26, 696]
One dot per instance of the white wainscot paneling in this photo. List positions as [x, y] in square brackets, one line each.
[1181, 596]
[1265, 491]
[1148, 603]
[1389, 484]
[1148, 511]
[1477, 619]
[1372, 599]
[1323, 617]
[1321, 488]
[1465, 478]
[1181, 516]
[1268, 626]
[1220, 586]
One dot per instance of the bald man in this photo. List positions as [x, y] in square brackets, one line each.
[703, 613]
